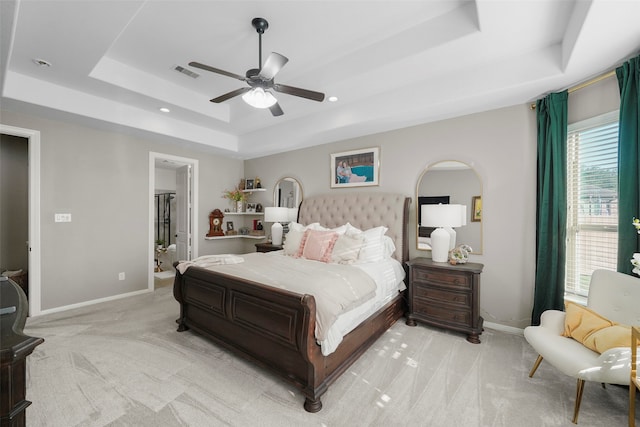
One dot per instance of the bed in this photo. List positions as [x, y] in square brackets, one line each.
[276, 328]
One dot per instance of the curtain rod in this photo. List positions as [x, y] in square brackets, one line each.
[585, 84]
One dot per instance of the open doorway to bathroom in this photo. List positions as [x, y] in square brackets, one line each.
[173, 222]
[31, 280]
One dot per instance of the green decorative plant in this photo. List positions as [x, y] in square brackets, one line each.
[235, 195]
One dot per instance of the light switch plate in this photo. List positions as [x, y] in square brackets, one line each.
[63, 217]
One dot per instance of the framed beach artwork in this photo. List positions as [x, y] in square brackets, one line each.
[356, 168]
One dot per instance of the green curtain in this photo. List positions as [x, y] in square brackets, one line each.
[551, 215]
[628, 161]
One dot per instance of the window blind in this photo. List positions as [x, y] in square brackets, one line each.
[592, 200]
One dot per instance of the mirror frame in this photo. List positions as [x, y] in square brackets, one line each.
[469, 207]
[277, 185]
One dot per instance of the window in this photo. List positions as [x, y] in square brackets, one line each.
[592, 200]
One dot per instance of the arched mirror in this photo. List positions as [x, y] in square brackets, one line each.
[287, 193]
[451, 182]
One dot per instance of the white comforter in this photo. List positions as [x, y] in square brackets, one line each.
[336, 288]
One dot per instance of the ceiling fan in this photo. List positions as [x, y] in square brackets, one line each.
[260, 80]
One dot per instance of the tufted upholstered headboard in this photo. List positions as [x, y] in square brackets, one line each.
[364, 211]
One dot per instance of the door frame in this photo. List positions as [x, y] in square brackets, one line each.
[153, 156]
[35, 275]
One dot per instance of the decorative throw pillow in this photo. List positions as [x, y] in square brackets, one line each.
[293, 238]
[593, 330]
[317, 245]
[373, 249]
[610, 337]
[581, 321]
[346, 249]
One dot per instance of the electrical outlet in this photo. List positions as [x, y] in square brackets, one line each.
[121, 276]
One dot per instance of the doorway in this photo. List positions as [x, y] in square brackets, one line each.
[174, 181]
[33, 244]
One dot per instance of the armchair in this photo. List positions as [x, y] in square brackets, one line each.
[612, 295]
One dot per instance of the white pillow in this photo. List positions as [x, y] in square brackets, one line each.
[317, 227]
[373, 249]
[293, 238]
[347, 249]
[388, 246]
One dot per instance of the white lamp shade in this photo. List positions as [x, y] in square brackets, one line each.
[276, 214]
[293, 215]
[259, 98]
[441, 216]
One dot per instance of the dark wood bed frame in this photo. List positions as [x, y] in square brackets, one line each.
[274, 328]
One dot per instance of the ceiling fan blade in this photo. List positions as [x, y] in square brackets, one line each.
[216, 70]
[230, 95]
[276, 110]
[296, 91]
[272, 65]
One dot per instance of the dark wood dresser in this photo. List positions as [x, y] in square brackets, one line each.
[445, 295]
[14, 349]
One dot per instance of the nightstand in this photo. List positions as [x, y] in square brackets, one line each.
[445, 295]
[267, 247]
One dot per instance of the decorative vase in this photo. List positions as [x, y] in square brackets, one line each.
[239, 206]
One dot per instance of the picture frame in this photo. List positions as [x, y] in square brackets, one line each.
[251, 208]
[476, 209]
[355, 168]
[229, 225]
[248, 184]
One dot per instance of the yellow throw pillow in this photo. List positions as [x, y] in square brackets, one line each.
[613, 336]
[580, 321]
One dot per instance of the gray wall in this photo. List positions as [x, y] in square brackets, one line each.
[102, 179]
[501, 146]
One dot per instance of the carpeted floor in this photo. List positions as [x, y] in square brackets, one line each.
[122, 363]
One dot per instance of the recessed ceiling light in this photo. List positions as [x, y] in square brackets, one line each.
[41, 62]
[333, 98]
[165, 110]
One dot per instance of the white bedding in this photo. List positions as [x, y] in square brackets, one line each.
[389, 276]
[349, 303]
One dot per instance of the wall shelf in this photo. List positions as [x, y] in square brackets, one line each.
[254, 190]
[239, 236]
[244, 213]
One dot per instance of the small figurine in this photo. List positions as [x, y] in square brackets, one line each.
[459, 254]
[259, 226]
[258, 185]
[241, 185]
[259, 207]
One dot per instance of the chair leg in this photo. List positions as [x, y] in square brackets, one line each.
[579, 391]
[535, 366]
[632, 405]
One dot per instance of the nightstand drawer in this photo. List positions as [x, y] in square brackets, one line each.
[442, 313]
[449, 279]
[462, 299]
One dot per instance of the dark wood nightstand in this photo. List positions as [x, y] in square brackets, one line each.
[267, 247]
[445, 295]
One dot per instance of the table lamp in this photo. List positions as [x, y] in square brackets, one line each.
[440, 216]
[276, 216]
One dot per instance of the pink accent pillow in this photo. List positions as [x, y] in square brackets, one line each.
[317, 245]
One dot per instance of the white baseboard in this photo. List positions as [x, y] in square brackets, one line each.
[92, 302]
[504, 328]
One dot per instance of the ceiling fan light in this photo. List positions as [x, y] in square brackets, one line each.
[259, 98]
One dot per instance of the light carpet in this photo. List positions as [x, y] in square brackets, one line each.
[122, 363]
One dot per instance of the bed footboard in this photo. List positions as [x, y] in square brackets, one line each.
[272, 328]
